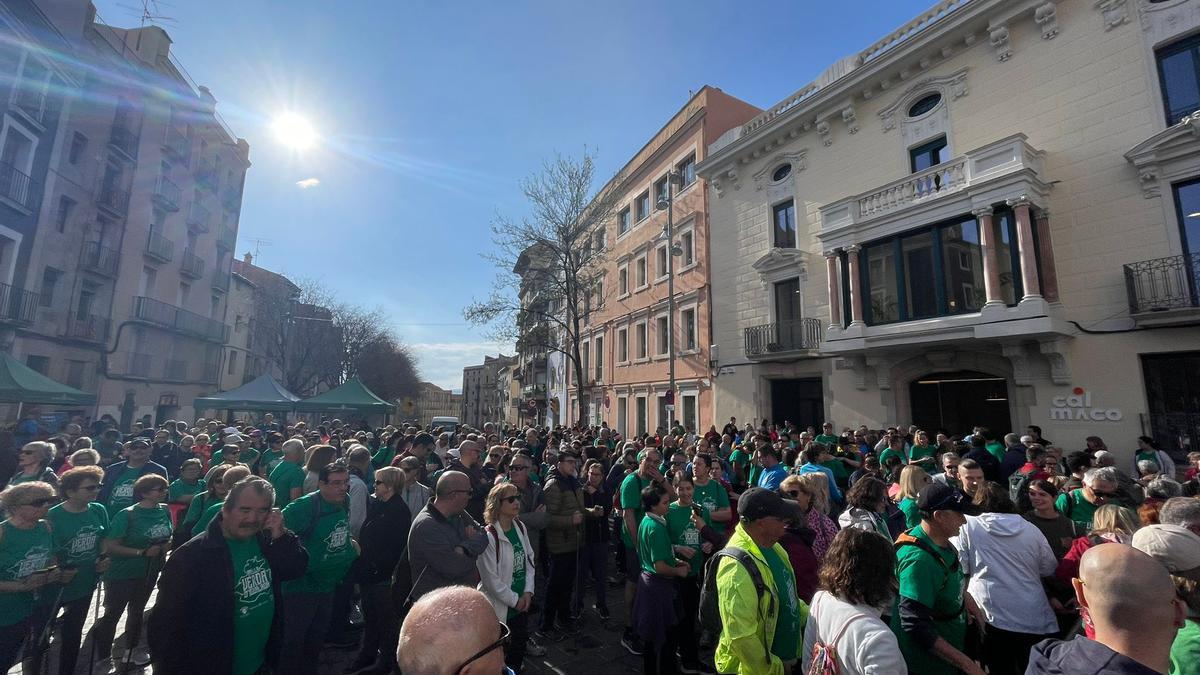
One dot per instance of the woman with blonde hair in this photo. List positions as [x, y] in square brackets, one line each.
[33, 464]
[506, 568]
[26, 548]
[811, 491]
[1110, 524]
[912, 479]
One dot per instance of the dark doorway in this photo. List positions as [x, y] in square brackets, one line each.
[957, 401]
[1173, 399]
[801, 401]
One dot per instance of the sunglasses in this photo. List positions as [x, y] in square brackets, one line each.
[510, 499]
[1106, 495]
[517, 467]
[505, 635]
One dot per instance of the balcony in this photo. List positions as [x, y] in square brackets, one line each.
[124, 139]
[151, 367]
[113, 199]
[192, 265]
[176, 318]
[17, 189]
[784, 338]
[17, 305]
[206, 174]
[1164, 290]
[176, 143]
[159, 248]
[91, 327]
[220, 280]
[167, 194]
[534, 391]
[99, 259]
[31, 101]
[226, 237]
[198, 217]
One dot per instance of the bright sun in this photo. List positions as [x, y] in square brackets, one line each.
[294, 131]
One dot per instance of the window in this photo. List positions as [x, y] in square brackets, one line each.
[622, 345]
[640, 407]
[75, 371]
[662, 190]
[662, 265]
[687, 320]
[785, 225]
[689, 412]
[640, 272]
[583, 354]
[1179, 76]
[643, 206]
[599, 340]
[50, 277]
[599, 240]
[185, 290]
[687, 241]
[66, 206]
[38, 363]
[623, 281]
[87, 298]
[78, 147]
[232, 362]
[687, 171]
[924, 104]
[664, 415]
[639, 340]
[663, 330]
[623, 221]
[213, 307]
[787, 302]
[928, 154]
[622, 415]
[962, 249]
[783, 171]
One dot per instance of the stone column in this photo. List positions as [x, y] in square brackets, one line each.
[856, 313]
[1029, 276]
[835, 293]
[991, 269]
[1046, 248]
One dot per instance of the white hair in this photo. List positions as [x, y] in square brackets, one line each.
[1107, 474]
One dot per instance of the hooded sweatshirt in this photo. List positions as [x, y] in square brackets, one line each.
[1081, 656]
[1005, 557]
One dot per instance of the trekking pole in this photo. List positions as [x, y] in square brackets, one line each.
[95, 620]
[151, 570]
[43, 641]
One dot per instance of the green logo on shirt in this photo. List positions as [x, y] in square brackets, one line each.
[84, 541]
[254, 586]
[338, 537]
[35, 559]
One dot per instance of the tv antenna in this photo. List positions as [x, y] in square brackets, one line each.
[258, 244]
[150, 11]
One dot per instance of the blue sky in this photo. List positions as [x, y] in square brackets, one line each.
[431, 112]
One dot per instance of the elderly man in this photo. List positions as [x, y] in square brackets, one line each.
[470, 463]
[1099, 488]
[1181, 511]
[445, 540]
[165, 453]
[452, 630]
[1129, 492]
[288, 475]
[219, 607]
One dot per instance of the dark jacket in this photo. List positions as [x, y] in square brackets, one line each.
[169, 456]
[564, 499]
[191, 627]
[479, 487]
[1081, 656]
[1014, 459]
[987, 462]
[596, 530]
[434, 562]
[112, 471]
[383, 538]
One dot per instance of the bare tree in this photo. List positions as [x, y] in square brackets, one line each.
[386, 367]
[550, 264]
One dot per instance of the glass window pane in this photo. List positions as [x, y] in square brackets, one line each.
[787, 301]
[785, 225]
[881, 275]
[1188, 198]
[962, 266]
[919, 280]
[1180, 83]
[1005, 250]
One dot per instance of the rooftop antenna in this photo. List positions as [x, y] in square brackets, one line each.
[150, 11]
[258, 244]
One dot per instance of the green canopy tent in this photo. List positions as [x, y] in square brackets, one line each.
[353, 396]
[21, 384]
[262, 393]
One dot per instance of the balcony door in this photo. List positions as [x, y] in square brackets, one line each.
[787, 313]
[1187, 206]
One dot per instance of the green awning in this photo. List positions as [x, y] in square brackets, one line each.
[261, 393]
[21, 384]
[352, 396]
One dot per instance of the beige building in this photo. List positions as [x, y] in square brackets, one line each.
[986, 217]
[480, 394]
[433, 401]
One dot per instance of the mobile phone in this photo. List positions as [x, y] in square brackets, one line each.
[696, 510]
[47, 570]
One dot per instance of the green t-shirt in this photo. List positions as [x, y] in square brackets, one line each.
[755, 472]
[684, 533]
[738, 457]
[838, 467]
[938, 586]
[654, 543]
[1185, 650]
[912, 514]
[136, 527]
[1076, 507]
[178, 489]
[206, 518]
[919, 452]
[631, 499]
[828, 440]
[330, 548]
[22, 553]
[383, 458]
[712, 496]
[518, 582]
[270, 460]
[77, 538]
[120, 497]
[254, 605]
[786, 643]
[997, 450]
[284, 477]
[196, 509]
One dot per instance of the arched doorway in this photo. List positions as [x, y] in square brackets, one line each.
[959, 400]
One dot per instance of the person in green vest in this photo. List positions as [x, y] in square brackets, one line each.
[912, 480]
[116, 492]
[1099, 487]
[929, 616]
[654, 616]
[236, 450]
[322, 521]
[288, 475]
[26, 557]
[137, 539]
[923, 453]
[79, 525]
[739, 466]
[214, 493]
[273, 454]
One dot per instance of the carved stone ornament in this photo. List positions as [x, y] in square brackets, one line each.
[1149, 178]
[797, 159]
[1016, 355]
[1055, 352]
[1046, 16]
[824, 132]
[850, 119]
[952, 86]
[998, 36]
[1115, 12]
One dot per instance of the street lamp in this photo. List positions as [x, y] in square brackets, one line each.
[668, 202]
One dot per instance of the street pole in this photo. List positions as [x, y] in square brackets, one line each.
[671, 298]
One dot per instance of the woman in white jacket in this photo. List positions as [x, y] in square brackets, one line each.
[857, 577]
[1005, 558]
[506, 568]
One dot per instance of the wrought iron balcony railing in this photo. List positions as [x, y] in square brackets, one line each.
[17, 305]
[198, 217]
[784, 336]
[226, 237]
[100, 259]
[17, 187]
[169, 316]
[1163, 283]
[192, 264]
[167, 194]
[89, 327]
[114, 199]
[159, 247]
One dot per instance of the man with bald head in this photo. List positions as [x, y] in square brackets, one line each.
[445, 540]
[467, 461]
[1131, 601]
[452, 630]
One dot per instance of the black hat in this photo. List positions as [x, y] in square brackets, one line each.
[941, 497]
[139, 441]
[760, 502]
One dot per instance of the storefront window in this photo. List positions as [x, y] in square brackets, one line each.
[962, 254]
[1008, 259]
[920, 279]
[881, 271]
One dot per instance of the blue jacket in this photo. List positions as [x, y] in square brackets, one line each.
[112, 471]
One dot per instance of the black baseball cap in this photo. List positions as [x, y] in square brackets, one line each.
[760, 502]
[139, 441]
[941, 497]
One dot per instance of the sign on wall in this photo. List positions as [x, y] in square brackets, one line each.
[1077, 406]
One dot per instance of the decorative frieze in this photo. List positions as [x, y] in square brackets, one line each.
[850, 119]
[825, 132]
[998, 37]
[1046, 16]
[1115, 12]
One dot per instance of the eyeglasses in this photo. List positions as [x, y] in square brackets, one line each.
[505, 634]
[517, 467]
[41, 503]
[1105, 495]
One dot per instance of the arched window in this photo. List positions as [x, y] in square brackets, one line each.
[924, 104]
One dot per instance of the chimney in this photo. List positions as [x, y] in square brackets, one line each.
[248, 258]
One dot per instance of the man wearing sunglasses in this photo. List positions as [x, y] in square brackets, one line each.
[116, 492]
[453, 630]
[445, 540]
[1100, 486]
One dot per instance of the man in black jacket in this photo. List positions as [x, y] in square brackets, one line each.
[223, 582]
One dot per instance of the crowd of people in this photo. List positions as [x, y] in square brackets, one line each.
[773, 548]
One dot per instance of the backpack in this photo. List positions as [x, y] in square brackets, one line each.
[1018, 490]
[824, 654]
[710, 612]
